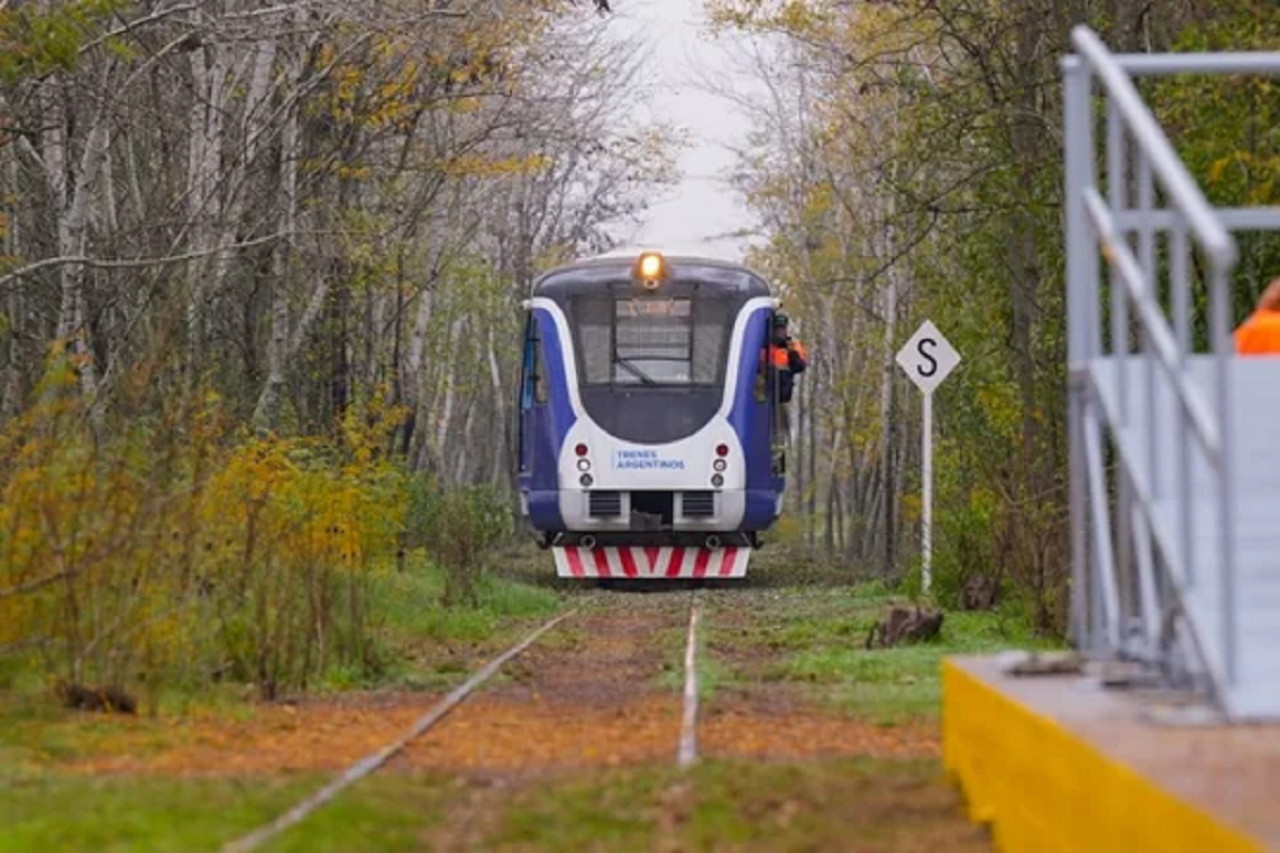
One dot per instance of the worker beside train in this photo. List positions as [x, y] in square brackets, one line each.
[1260, 333]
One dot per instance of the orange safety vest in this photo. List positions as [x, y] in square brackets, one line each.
[779, 354]
[1260, 334]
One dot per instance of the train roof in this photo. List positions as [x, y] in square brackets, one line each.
[591, 273]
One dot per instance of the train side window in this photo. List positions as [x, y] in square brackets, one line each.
[540, 394]
[765, 371]
[527, 364]
[533, 388]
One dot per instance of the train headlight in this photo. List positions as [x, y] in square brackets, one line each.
[717, 480]
[650, 269]
[585, 480]
[720, 464]
[584, 464]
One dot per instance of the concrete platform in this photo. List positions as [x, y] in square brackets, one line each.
[1062, 763]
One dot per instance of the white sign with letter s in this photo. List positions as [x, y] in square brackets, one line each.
[928, 357]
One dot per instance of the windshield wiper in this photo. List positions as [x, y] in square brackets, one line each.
[640, 374]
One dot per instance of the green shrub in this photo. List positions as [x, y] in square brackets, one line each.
[458, 526]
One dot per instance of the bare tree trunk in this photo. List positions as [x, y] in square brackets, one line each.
[204, 145]
[500, 429]
[888, 420]
[415, 383]
[72, 204]
[462, 473]
[446, 413]
[266, 415]
[11, 390]
[253, 128]
[829, 529]
[795, 443]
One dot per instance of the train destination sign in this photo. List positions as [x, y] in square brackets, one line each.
[653, 308]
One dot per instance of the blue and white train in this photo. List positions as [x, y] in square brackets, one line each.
[648, 428]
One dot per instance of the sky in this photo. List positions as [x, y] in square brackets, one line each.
[695, 215]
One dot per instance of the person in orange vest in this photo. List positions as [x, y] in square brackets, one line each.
[1260, 334]
[789, 359]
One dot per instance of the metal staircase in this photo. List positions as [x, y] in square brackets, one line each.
[1175, 454]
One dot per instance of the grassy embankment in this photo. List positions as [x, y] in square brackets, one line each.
[807, 638]
[424, 647]
[814, 639]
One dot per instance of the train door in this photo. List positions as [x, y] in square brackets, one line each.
[777, 422]
[533, 392]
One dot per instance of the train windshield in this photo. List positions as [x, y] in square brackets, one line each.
[651, 340]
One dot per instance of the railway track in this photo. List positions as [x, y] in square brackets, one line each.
[685, 739]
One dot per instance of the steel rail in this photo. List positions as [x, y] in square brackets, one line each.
[372, 762]
[687, 752]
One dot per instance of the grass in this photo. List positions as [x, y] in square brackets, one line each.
[608, 812]
[712, 672]
[898, 805]
[810, 637]
[421, 645]
[428, 646]
[58, 812]
[851, 804]
[409, 604]
[424, 646]
[816, 639]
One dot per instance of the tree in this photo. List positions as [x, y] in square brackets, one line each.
[927, 182]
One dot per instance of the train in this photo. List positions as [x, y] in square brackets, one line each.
[649, 436]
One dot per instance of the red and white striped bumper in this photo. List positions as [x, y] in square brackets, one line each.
[651, 562]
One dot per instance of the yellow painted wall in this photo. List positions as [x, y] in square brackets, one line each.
[1043, 789]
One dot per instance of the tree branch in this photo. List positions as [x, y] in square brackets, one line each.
[124, 263]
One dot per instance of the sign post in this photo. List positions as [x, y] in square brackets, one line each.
[928, 358]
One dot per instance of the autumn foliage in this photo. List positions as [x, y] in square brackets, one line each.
[278, 254]
[906, 164]
[179, 550]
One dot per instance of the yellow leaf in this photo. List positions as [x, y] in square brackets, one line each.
[1216, 169]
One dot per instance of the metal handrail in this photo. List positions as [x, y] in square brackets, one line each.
[1258, 62]
[1164, 347]
[1182, 190]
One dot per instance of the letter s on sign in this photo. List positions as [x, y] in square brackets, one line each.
[933, 362]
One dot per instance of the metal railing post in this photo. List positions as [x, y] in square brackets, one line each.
[1082, 282]
[1180, 293]
[1117, 193]
[1224, 352]
[1146, 260]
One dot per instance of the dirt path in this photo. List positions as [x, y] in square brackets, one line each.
[574, 744]
[602, 690]
[594, 698]
[589, 694]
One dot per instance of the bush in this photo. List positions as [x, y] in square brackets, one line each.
[172, 552]
[301, 540]
[966, 571]
[458, 527]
